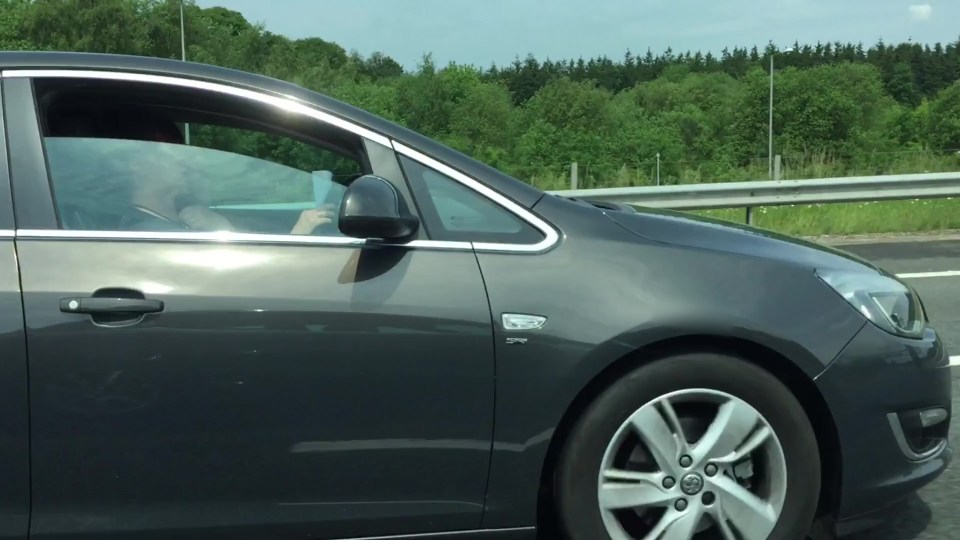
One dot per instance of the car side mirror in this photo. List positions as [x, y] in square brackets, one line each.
[373, 208]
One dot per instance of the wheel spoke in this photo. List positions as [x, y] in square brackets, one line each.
[653, 430]
[734, 422]
[633, 476]
[684, 527]
[753, 517]
[722, 524]
[629, 489]
[674, 422]
[675, 525]
[759, 437]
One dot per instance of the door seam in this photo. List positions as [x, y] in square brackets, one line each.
[26, 359]
[493, 423]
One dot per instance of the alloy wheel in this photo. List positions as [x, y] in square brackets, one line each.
[693, 461]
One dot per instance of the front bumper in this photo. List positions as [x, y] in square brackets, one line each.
[891, 401]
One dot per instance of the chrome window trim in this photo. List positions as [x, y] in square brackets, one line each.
[436, 244]
[231, 237]
[286, 103]
[550, 235]
[7, 233]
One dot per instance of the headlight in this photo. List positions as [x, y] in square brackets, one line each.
[886, 302]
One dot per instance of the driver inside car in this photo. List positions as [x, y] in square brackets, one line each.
[159, 185]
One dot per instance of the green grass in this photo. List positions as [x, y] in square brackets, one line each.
[851, 218]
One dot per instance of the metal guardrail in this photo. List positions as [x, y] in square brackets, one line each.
[776, 193]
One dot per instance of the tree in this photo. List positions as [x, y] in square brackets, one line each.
[944, 120]
[481, 120]
[902, 85]
[12, 25]
[568, 121]
[425, 100]
[108, 26]
[830, 109]
[380, 66]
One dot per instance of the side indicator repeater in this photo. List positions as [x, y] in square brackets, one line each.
[519, 321]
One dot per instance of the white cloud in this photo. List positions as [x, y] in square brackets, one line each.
[921, 12]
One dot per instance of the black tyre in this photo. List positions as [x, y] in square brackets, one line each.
[746, 467]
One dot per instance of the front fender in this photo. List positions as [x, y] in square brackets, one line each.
[608, 293]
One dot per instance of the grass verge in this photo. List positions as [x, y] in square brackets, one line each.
[850, 218]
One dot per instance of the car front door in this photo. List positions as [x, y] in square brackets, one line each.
[240, 369]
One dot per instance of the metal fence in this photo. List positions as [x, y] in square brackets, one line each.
[776, 193]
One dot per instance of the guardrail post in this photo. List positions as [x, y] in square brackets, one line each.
[749, 216]
[573, 175]
[658, 168]
[776, 167]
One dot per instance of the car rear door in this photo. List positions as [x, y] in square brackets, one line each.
[14, 419]
[276, 386]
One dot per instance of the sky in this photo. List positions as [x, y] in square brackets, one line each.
[482, 32]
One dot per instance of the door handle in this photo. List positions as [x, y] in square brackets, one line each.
[97, 305]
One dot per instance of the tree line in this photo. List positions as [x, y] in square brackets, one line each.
[909, 71]
[840, 108]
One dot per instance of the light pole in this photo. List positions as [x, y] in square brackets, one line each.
[770, 150]
[183, 57]
[183, 38]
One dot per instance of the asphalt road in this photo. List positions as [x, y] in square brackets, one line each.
[934, 514]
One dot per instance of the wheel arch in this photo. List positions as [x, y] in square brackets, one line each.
[788, 372]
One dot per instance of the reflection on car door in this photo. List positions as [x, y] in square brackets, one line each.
[14, 419]
[294, 389]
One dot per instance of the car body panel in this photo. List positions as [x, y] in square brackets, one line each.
[629, 294]
[14, 422]
[283, 389]
[14, 403]
[34, 208]
[687, 229]
[7, 221]
[877, 374]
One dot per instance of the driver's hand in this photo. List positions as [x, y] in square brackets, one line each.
[311, 219]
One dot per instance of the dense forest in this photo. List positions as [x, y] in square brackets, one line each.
[840, 108]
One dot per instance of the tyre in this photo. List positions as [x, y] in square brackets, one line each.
[694, 446]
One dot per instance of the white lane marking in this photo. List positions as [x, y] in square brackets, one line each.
[918, 275]
[955, 361]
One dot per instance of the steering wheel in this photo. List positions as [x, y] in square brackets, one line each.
[146, 212]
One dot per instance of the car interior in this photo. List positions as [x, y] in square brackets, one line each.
[92, 109]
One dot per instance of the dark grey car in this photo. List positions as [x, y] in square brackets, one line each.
[234, 308]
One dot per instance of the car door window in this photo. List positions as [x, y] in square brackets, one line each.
[454, 211]
[140, 168]
[268, 170]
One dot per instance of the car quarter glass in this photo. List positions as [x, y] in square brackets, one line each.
[455, 212]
